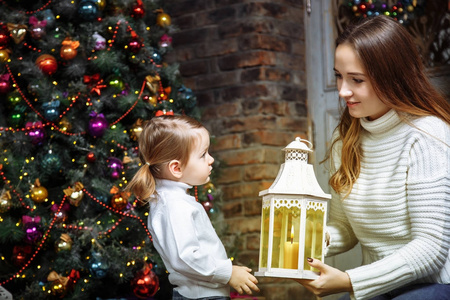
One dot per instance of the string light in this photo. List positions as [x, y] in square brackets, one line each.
[7, 182]
[32, 12]
[49, 123]
[38, 249]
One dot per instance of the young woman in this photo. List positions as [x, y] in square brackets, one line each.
[390, 163]
[174, 153]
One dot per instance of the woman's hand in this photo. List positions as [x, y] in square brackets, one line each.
[330, 281]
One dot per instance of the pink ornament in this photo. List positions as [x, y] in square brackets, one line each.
[100, 42]
[37, 28]
[37, 33]
[36, 132]
[165, 41]
[5, 84]
[97, 124]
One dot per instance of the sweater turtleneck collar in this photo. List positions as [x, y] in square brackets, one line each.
[165, 183]
[382, 124]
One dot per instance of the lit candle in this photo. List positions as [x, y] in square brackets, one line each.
[291, 253]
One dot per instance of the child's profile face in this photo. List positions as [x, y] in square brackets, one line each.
[198, 168]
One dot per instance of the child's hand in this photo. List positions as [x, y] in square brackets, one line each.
[242, 281]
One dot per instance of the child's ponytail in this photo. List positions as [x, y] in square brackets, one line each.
[143, 183]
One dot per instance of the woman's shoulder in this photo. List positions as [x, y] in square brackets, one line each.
[430, 128]
[430, 122]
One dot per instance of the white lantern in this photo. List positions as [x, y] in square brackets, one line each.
[294, 211]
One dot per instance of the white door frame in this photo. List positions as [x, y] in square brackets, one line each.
[322, 99]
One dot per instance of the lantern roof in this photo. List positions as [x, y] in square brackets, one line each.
[298, 144]
[296, 176]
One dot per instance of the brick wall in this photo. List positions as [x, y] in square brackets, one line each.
[245, 61]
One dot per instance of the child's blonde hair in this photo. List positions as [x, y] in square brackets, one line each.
[162, 140]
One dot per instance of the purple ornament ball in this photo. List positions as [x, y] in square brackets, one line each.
[115, 165]
[32, 233]
[37, 136]
[97, 126]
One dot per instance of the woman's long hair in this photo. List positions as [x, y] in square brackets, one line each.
[398, 76]
[162, 140]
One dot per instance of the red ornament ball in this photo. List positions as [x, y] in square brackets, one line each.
[91, 157]
[207, 205]
[47, 63]
[145, 284]
[21, 255]
[4, 39]
[134, 45]
[137, 11]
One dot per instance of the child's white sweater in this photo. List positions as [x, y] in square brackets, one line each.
[399, 208]
[187, 243]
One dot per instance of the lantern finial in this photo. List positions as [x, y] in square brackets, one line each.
[298, 150]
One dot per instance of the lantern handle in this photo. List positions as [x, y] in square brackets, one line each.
[310, 145]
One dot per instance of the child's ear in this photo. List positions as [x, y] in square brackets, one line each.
[175, 169]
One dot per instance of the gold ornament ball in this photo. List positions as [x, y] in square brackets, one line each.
[39, 194]
[68, 53]
[101, 4]
[118, 202]
[58, 289]
[4, 55]
[64, 124]
[163, 19]
[150, 99]
[5, 204]
[135, 132]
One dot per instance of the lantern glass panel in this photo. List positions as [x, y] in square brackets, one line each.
[286, 230]
[315, 213]
[264, 250]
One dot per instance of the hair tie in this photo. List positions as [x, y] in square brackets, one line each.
[148, 164]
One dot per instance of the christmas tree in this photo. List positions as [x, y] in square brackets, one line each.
[77, 79]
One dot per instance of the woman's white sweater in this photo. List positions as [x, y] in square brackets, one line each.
[399, 207]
